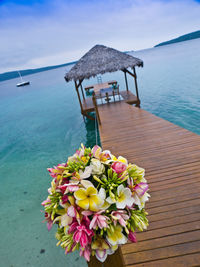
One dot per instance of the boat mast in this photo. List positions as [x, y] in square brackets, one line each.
[20, 76]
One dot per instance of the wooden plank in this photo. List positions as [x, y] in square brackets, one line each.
[176, 184]
[192, 176]
[173, 191]
[160, 253]
[171, 200]
[170, 214]
[181, 219]
[169, 230]
[176, 206]
[161, 242]
[190, 260]
[171, 158]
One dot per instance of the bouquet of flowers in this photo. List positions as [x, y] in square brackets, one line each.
[97, 202]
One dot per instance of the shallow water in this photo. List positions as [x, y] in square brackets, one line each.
[41, 125]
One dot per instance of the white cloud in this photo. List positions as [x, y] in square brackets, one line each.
[61, 31]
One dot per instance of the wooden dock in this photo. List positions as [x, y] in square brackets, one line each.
[171, 158]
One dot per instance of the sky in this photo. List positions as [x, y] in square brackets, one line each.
[37, 33]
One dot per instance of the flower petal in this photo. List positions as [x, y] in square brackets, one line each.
[91, 191]
[71, 211]
[101, 255]
[110, 200]
[120, 189]
[93, 223]
[83, 203]
[96, 151]
[86, 183]
[80, 194]
[122, 159]
[87, 172]
[102, 193]
[95, 202]
[65, 220]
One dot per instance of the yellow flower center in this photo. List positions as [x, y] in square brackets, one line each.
[121, 197]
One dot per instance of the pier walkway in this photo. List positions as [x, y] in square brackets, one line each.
[171, 158]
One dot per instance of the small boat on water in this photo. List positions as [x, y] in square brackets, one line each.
[22, 83]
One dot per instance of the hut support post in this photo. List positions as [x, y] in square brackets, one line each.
[125, 76]
[76, 86]
[82, 91]
[135, 79]
[136, 87]
[96, 108]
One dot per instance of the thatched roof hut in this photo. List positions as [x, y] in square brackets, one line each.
[99, 60]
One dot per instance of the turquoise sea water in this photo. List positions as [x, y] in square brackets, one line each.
[41, 125]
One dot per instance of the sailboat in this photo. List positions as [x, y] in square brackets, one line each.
[22, 83]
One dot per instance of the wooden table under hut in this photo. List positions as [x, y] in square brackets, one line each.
[99, 60]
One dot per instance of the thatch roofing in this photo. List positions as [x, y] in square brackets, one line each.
[99, 60]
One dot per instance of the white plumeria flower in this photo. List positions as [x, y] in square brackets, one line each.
[65, 220]
[136, 200]
[140, 201]
[124, 197]
[116, 236]
[102, 195]
[143, 200]
[97, 167]
[86, 173]
[102, 254]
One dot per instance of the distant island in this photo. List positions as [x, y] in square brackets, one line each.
[14, 74]
[182, 38]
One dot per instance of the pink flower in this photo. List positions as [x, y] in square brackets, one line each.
[70, 187]
[86, 253]
[57, 170]
[64, 199]
[121, 216]
[82, 233]
[62, 188]
[118, 167]
[141, 188]
[73, 212]
[101, 155]
[46, 202]
[80, 152]
[48, 220]
[132, 236]
[98, 220]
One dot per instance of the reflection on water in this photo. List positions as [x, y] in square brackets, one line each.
[91, 132]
